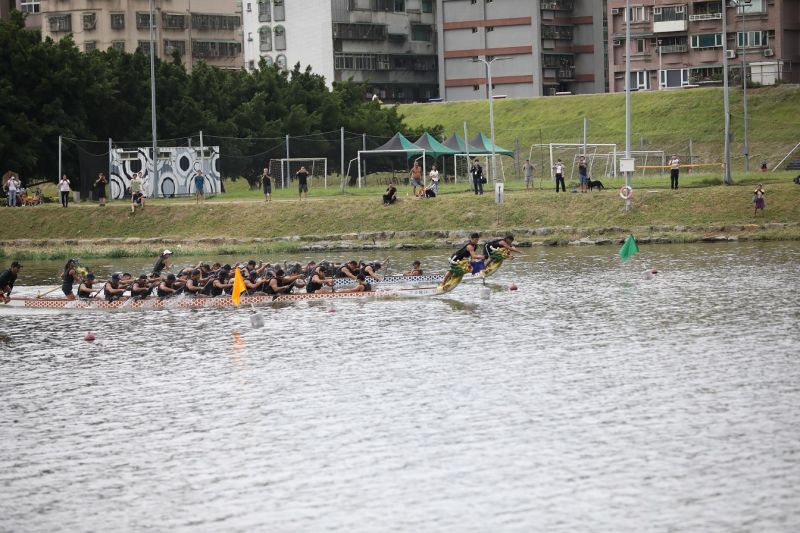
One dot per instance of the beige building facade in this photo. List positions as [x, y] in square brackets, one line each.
[548, 47]
[208, 30]
[679, 44]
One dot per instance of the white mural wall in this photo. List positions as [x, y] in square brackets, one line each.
[176, 170]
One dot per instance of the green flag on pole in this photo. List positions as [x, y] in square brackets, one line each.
[629, 248]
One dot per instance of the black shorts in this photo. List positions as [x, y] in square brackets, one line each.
[268, 189]
[303, 187]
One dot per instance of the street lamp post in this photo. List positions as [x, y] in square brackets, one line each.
[153, 97]
[726, 101]
[746, 147]
[628, 18]
[488, 64]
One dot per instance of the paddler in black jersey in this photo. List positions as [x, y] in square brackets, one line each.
[468, 251]
[194, 285]
[493, 247]
[318, 281]
[371, 269]
[360, 286]
[141, 288]
[113, 290]
[85, 290]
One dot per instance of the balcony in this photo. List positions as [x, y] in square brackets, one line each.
[558, 32]
[670, 19]
[558, 5]
[700, 17]
[673, 49]
[566, 73]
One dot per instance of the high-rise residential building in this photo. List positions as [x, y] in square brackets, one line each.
[679, 44]
[31, 8]
[210, 30]
[289, 32]
[388, 44]
[543, 47]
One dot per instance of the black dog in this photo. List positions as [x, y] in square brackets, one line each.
[596, 183]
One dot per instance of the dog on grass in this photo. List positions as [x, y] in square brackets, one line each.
[596, 183]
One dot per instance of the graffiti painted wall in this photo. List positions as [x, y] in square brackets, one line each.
[176, 170]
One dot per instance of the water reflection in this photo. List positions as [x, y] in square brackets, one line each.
[590, 399]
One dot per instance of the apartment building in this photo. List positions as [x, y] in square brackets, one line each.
[289, 32]
[388, 44]
[544, 47]
[31, 8]
[208, 30]
[679, 44]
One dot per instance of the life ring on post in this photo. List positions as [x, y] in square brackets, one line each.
[625, 192]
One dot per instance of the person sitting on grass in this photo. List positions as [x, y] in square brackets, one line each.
[390, 196]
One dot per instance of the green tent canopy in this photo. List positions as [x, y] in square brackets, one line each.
[433, 147]
[484, 146]
[398, 143]
[456, 142]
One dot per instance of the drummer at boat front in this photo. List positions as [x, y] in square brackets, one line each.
[506, 243]
[86, 289]
[69, 277]
[162, 263]
[113, 288]
[416, 269]
[468, 251]
[7, 280]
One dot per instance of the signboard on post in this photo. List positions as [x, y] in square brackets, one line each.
[499, 192]
[627, 165]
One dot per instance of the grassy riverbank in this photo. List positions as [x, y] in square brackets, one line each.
[285, 225]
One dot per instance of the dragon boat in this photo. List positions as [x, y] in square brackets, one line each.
[393, 280]
[220, 302]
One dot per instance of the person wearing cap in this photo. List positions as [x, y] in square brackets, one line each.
[112, 289]
[141, 288]
[168, 287]
[69, 277]
[86, 289]
[7, 279]
[162, 263]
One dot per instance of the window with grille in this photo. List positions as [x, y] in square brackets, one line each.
[143, 21]
[118, 21]
[421, 33]
[281, 62]
[752, 39]
[216, 48]
[89, 21]
[171, 47]
[119, 46]
[278, 10]
[265, 39]
[173, 21]
[29, 6]
[144, 46]
[88, 46]
[359, 32]
[204, 21]
[264, 12]
[280, 38]
[59, 23]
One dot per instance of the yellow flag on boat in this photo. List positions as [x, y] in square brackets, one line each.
[238, 286]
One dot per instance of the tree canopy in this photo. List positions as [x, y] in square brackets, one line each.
[50, 88]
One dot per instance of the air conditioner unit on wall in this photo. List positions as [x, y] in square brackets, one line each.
[617, 42]
[731, 54]
[615, 11]
[769, 52]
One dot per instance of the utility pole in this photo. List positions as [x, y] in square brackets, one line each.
[156, 187]
[726, 178]
[628, 18]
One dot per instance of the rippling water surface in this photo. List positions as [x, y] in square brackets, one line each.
[591, 399]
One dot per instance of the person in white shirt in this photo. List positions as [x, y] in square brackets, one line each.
[559, 168]
[434, 186]
[63, 187]
[13, 187]
[675, 170]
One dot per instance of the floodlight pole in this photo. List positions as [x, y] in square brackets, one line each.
[746, 147]
[726, 177]
[153, 97]
[488, 63]
[628, 97]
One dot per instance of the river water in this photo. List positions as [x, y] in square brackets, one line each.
[591, 399]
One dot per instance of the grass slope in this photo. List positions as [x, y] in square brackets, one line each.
[664, 120]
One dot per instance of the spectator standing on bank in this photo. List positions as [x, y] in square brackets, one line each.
[137, 196]
[583, 173]
[415, 177]
[63, 188]
[266, 184]
[758, 199]
[12, 186]
[100, 187]
[559, 169]
[302, 182]
[675, 170]
[199, 186]
[476, 171]
[527, 171]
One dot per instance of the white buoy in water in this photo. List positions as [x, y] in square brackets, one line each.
[485, 293]
[256, 320]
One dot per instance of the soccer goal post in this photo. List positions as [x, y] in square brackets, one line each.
[283, 170]
[600, 158]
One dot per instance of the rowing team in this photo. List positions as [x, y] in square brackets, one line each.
[205, 280]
